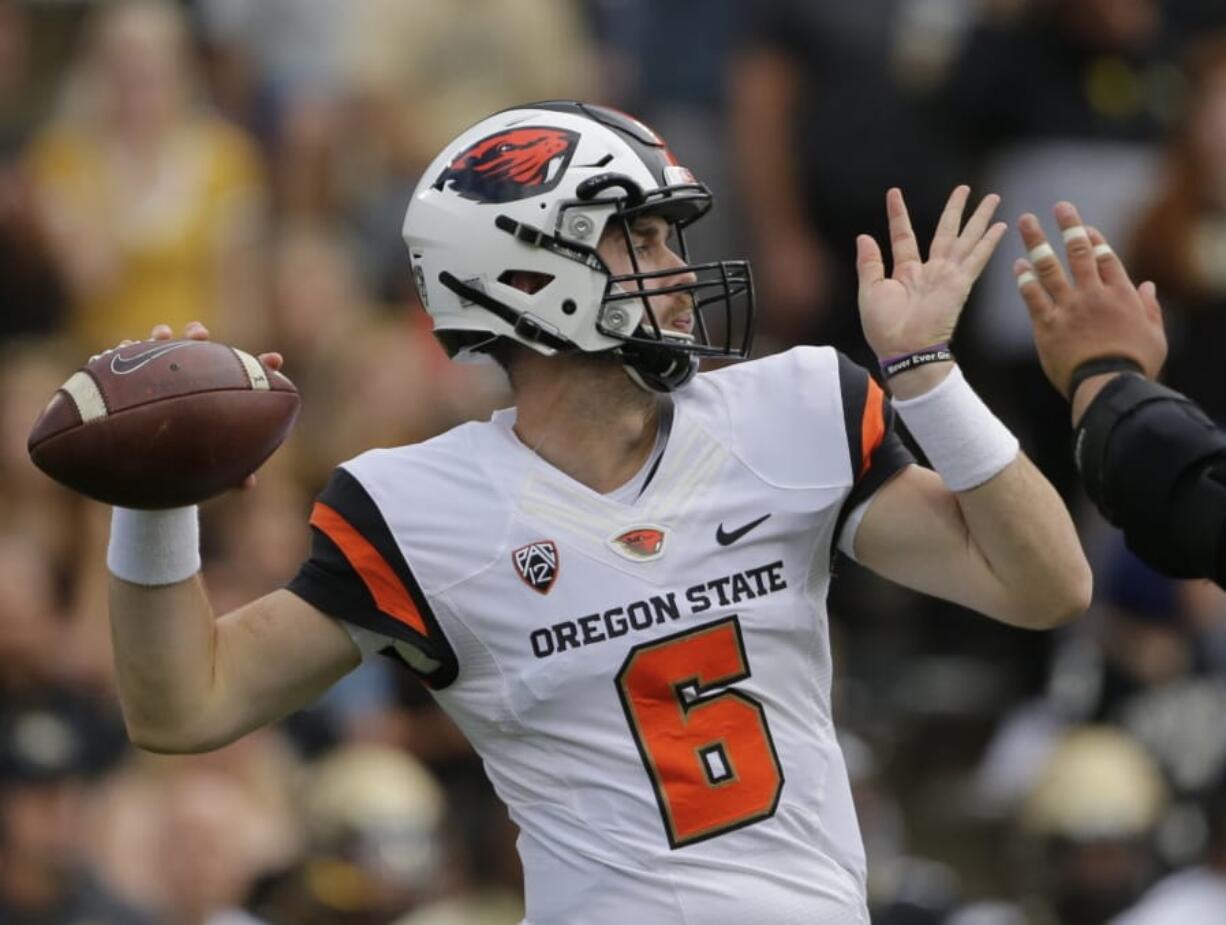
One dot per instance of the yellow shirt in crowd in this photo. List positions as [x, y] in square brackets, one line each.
[148, 244]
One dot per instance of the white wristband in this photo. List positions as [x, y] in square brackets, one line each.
[154, 547]
[965, 442]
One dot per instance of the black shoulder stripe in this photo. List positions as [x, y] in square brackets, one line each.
[853, 389]
[874, 449]
[357, 572]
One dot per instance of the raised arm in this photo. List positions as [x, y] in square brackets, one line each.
[189, 681]
[985, 530]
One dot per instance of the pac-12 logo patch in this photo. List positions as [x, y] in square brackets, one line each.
[640, 544]
[537, 564]
[510, 165]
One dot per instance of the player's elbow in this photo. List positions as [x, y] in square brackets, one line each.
[1061, 597]
[176, 738]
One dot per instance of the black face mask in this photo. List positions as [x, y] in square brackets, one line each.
[720, 292]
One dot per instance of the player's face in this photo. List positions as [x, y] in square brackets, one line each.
[653, 242]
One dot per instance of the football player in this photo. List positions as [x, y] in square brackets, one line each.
[617, 587]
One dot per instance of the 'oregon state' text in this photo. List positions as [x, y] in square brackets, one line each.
[726, 591]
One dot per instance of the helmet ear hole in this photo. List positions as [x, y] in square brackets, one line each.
[529, 281]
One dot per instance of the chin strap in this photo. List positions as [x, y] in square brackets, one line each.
[658, 368]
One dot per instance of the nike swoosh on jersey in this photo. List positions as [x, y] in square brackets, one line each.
[727, 538]
[121, 366]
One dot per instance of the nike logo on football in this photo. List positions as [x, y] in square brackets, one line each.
[121, 366]
[728, 537]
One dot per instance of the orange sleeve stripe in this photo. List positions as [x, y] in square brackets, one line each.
[872, 426]
[390, 594]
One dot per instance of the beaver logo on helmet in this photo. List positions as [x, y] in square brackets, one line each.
[513, 164]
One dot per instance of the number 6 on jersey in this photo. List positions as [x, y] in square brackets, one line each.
[710, 755]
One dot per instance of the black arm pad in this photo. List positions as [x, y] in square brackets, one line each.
[1155, 465]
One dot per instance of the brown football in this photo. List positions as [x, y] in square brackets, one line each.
[163, 423]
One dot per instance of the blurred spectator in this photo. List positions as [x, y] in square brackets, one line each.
[343, 353]
[481, 837]
[1088, 824]
[824, 122]
[205, 868]
[254, 539]
[274, 66]
[684, 97]
[30, 503]
[15, 113]
[31, 290]
[373, 853]
[268, 56]
[1190, 897]
[903, 889]
[434, 68]
[1094, 809]
[189, 836]
[28, 616]
[1063, 101]
[151, 205]
[414, 75]
[50, 745]
[52, 577]
[1142, 664]
[1180, 241]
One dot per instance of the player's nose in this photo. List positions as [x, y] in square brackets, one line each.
[681, 270]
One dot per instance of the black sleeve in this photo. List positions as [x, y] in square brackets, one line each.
[356, 572]
[1155, 465]
[875, 450]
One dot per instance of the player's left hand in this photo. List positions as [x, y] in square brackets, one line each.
[918, 305]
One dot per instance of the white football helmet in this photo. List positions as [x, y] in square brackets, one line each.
[531, 190]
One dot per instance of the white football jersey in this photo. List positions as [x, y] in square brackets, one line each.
[647, 682]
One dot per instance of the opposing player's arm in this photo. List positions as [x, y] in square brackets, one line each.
[1006, 548]
[189, 681]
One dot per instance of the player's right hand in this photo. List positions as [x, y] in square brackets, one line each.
[1100, 313]
[194, 330]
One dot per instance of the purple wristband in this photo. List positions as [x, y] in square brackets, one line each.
[937, 353]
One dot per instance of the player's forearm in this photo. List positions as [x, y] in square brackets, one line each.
[1022, 531]
[165, 642]
[1024, 564]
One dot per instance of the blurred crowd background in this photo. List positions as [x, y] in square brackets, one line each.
[247, 163]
